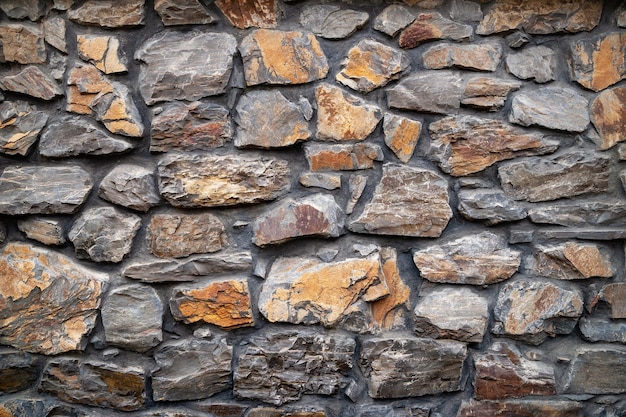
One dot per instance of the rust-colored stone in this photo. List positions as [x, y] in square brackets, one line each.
[570, 261]
[244, 14]
[480, 57]
[342, 157]
[598, 62]
[401, 135]
[22, 43]
[102, 51]
[180, 235]
[432, 26]
[608, 115]
[615, 295]
[389, 311]
[520, 408]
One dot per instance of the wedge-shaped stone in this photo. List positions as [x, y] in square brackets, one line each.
[598, 62]
[22, 43]
[608, 115]
[33, 82]
[480, 259]
[433, 26]
[427, 91]
[479, 57]
[597, 370]
[602, 329]
[420, 366]
[109, 13]
[48, 302]
[408, 201]
[488, 93]
[179, 235]
[570, 261]
[20, 125]
[534, 63]
[615, 296]
[332, 22]
[43, 229]
[521, 408]
[606, 212]
[342, 157]
[244, 14]
[489, 205]
[356, 186]
[131, 186]
[390, 311]
[103, 52]
[54, 33]
[552, 107]
[18, 371]
[393, 19]
[401, 135]
[183, 12]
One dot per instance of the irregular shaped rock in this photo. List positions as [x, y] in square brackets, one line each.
[389, 311]
[103, 52]
[194, 180]
[48, 303]
[356, 186]
[480, 259]
[583, 233]
[408, 201]
[552, 107]
[620, 16]
[465, 11]
[224, 303]
[342, 157]
[532, 310]
[289, 412]
[326, 181]
[21, 9]
[62, 4]
[570, 261]
[451, 313]
[131, 186]
[27, 407]
[600, 370]
[332, 22]
[608, 115]
[424, 4]
[43, 189]
[393, 19]
[18, 371]
[33, 82]
[54, 33]
[42, 229]
[598, 62]
[602, 329]
[420, 366]
[22, 43]
[427, 91]
[463, 145]
[104, 234]
[566, 175]
[401, 135]
[280, 367]
[109, 13]
[195, 126]
[517, 39]
[192, 369]
[180, 235]
[479, 57]
[266, 119]
[183, 12]
[536, 63]
[615, 295]
[20, 125]
[487, 93]
[433, 26]
[205, 71]
[521, 408]
[489, 205]
[132, 316]
[244, 14]
[541, 17]
[277, 57]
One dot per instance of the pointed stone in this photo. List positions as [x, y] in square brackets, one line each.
[489, 205]
[18, 372]
[520, 408]
[20, 125]
[427, 91]
[433, 26]
[608, 115]
[183, 12]
[131, 186]
[401, 135]
[570, 261]
[552, 107]
[42, 229]
[597, 370]
[615, 296]
[536, 63]
[33, 82]
[22, 43]
[22, 9]
[109, 13]
[244, 14]
[393, 19]
[332, 22]
[54, 33]
[356, 186]
[390, 311]
[598, 62]
[488, 93]
[478, 57]
[181, 235]
[594, 213]
[327, 181]
[103, 52]
[342, 157]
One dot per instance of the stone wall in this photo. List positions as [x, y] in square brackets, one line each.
[307, 209]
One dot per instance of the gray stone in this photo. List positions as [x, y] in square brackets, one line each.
[54, 33]
[20, 125]
[570, 261]
[489, 205]
[3, 232]
[109, 13]
[603, 329]
[327, 181]
[179, 235]
[432, 26]
[597, 370]
[488, 93]
[536, 63]
[21, 9]
[582, 233]
[131, 186]
[598, 62]
[332, 22]
[43, 189]
[33, 82]
[427, 91]
[42, 229]
[393, 19]
[552, 107]
[183, 12]
[606, 212]
[62, 4]
[520, 408]
[478, 57]
[18, 371]
[620, 16]
[204, 72]
[17, 407]
[132, 316]
[517, 39]
[465, 11]
[104, 234]
[356, 186]
[22, 43]
[613, 295]
[57, 65]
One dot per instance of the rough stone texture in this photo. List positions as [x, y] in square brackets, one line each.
[393, 19]
[356, 185]
[104, 234]
[120, 312]
[180, 235]
[18, 371]
[598, 62]
[327, 181]
[565, 175]
[389, 311]
[191, 369]
[552, 107]
[488, 93]
[292, 364]
[20, 125]
[409, 366]
[103, 52]
[569, 261]
[608, 115]
[277, 57]
[22, 43]
[620, 16]
[204, 72]
[608, 212]
[615, 295]
[342, 157]
[33, 82]
[534, 63]
[42, 229]
[451, 313]
[479, 57]
[131, 186]
[37, 284]
[602, 329]
[332, 22]
[21, 9]
[589, 368]
[244, 14]
[489, 205]
[427, 91]
[26, 189]
[520, 408]
[17, 407]
[401, 135]
[480, 259]
[533, 310]
[433, 26]
[183, 12]
[109, 13]
[465, 11]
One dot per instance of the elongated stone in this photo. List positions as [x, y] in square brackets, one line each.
[534, 63]
[600, 370]
[42, 229]
[615, 296]
[54, 33]
[465, 11]
[342, 157]
[393, 19]
[18, 371]
[433, 26]
[602, 329]
[20, 125]
[22, 9]
[401, 135]
[131, 186]
[390, 311]
[103, 52]
[180, 235]
[570, 261]
[552, 107]
[488, 93]
[479, 57]
[489, 205]
[22, 43]
[332, 22]
[608, 115]
[109, 13]
[427, 91]
[598, 62]
[607, 212]
[244, 14]
[327, 181]
[521, 408]
[183, 12]
[33, 82]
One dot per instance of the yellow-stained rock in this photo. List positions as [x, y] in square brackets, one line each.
[102, 51]
[244, 14]
[342, 157]
[598, 62]
[401, 135]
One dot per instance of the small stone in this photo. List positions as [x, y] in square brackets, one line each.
[109, 13]
[356, 186]
[393, 19]
[33, 82]
[62, 4]
[20, 125]
[536, 63]
[104, 234]
[103, 52]
[266, 119]
[130, 186]
[18, 372]
[598, 62]
[433, 26]
[22, 43]
[465, 11]
[181, 235]
[244, 14]
[605, 212]
[277, 57]
[615, 295]
[489, 205]
[583, 233]
[327, 181]
[602, 329]
[608, 115]
[224, 303]
[132, 316]
[488, 93]
[517, 39]
[54, 33]
[342, 157]
[521, 236]
[520, 408]
[183, 12]
[332, 22]
[427, 91]
[479, 57]
[597, 370]
[408, 201]
[480, 259]
[570, 261]
[620, 16]
[565, 175]
[42, 229]
[533, 310]
[21, 9]
[401, 135]
[424, 4]
[552, 107]
[390, 311]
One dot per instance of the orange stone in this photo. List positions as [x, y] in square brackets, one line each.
[342, 157]
[244, 14]
[389, 311]
[599, 62]
[608, 114]
[401, 135]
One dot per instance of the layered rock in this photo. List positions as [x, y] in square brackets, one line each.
[389, 311]
[427, 91]
[54, 33]
[401, 135]
[608, 115]
[42, 229]
[21, 9]
[244, 14]
[552, 107]
[183, 12]
[602, 329]
[570, 261]
[22, 43]
[479, 57]
[332, 22]
[615, 296]
[600, 213]
[181, 235]
[598, 62]
[109, 13]
[342, 157]
[488, 93]
[20, 125]
[325, 180]
[131, 186]
[18, 371]
[33, 82]
[489, 205]
[356, 186]
[534, 63]
[521, 408]
[393, 19]
[589, 368]
[433, 26]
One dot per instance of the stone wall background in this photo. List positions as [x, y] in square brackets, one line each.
[249, 208]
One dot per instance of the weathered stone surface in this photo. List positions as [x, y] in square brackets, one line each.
[327, 181]
[103, 52]
[42, 229]
[342, 157]
[54, 33]
[536, 63]
[401, 135]
[332, 22]
[606, 212]
[43, 189]
[489, 205]
[408, 201]
[602, 329]
[20, 125]
[427, 91]
[608, 115]
[21, 9]
[389, 311]
[132, 316]
[104, 234]
[191, 369]
[570, 261]
[600, 370]
[33, 82]
[195, 180]
[244, 14]
[620, 16]
[131, 186]
[465, 11]
[180, 235]
[343, 116]
[480, 259]
[370, 65]
[418, 366]
[48, 303]
[521, 408]
[517, 39]
[488, 93]
[502, 372]
[222, 409]
[479, 57]
[266, 119]
[424, 4]
[62, 4]
[356, 186]
[280, 367]
[204, 72]
[433, 26]
[393, 19]
[598, 62]
[533, 310]
[224, 303]
[541, 17]
[451, 313]
[463, 145]
[22, 43]
[607, 233]
[183, 12]
[277, 57]
[18, 371]
[195, 126]
[615, 295]
[96, 384]
[552, 107]
[18, 407]
[109, 13]
[566, 175]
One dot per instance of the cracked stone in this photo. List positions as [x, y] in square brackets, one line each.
[488, 93]
[427, 91]
[479, 57]
[570, 261]
[42, 229]
[342, 157]
[22, 9]
[552, 107]
[433, 26]
[22, 43]
[20, 125]
[131, 186]
[103, 52]
[109, 13]
[54, 33]
[33, 82]
[244, 14]
[327, 181]
[536, 63]
[608, 115]
[183, 12]
[598, 62]
[489, 205]
[401, 135]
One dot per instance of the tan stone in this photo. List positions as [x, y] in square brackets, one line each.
[480, 57]
[180, 235]
[608, 115]
[588, 260]
[615, 295]
[570, 261]
[109, 13]
[432, 26]
[401, 135]
[488, 93]
[342, 157]
[244, 14]
[102, 51]
[598, 62]
[22, 43]
[389, 312]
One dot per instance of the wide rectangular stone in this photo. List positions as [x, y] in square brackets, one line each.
[597, 370]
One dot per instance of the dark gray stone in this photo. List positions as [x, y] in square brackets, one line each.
[581, 233]
[20, 125]
[427, 91]
[465, 11]
[183, 12]
[109, 13]
[22, 9]
[131, 186]
[332, 22]
[537, 63]
[489, 205]
[33, 82]
[603, 329]
[517, 39]
[552, 107]
[597, 370]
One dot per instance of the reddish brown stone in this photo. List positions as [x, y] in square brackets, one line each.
[571, 261]
[432, 26]
[488, 93]
[245, 14]
[599, 62]
[520, 408]
[401, 135]
[342, 157]
[480, 57]
[615, 295]
[608, 115]
[109, 13]
[180, 235]
[389, 311]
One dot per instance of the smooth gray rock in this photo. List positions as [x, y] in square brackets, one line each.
[109, 13]
[489, 205]
[603, 329]
[537, 63]
[596, 213]
[131, 186]
[427, 91]
[597, 370]
[393, 19]
[20, 124]
[43, 229]
[552, 107]
[22, 9]
[33, 82]
[332, 22]
[183, 12]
